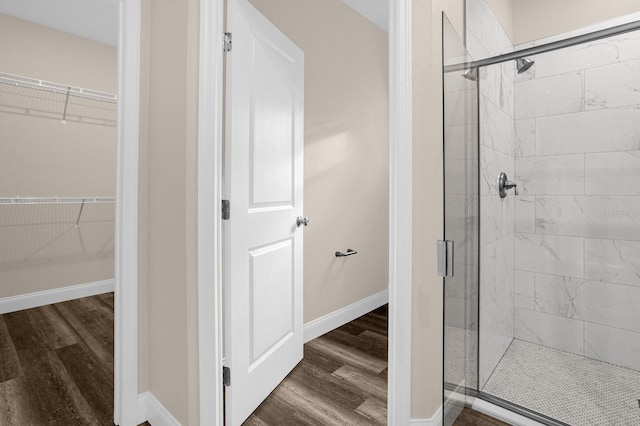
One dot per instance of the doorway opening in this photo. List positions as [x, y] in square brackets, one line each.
[67, 196]
[337, 109]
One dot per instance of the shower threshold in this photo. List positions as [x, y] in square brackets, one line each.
[570, 388]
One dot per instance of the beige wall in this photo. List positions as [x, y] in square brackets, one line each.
[168, 136]
[528, 20]
[35, 51]
[40, 156]
[346, 149]
[503, 9]
[426, 374]
[537, 19]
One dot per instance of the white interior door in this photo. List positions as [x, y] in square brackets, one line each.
[263, 244]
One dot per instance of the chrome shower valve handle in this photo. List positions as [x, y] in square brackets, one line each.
[505, 184]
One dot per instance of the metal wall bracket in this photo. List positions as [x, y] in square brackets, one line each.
[349, 252]
[445, 258]
[228, 38]
[226, 376]
[66, 105]
[226, 209]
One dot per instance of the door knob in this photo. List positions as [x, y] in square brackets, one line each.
[302, 221]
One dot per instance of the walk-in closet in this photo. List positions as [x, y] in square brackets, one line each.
[58, 146]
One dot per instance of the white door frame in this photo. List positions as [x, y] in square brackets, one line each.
[210, 120]
[126, 239]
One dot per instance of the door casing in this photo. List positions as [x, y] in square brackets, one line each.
[210, 140]
[126, 238]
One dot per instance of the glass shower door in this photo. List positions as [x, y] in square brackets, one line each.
[461, 225]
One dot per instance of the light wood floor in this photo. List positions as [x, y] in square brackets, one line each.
[56, 364]
[342, 380]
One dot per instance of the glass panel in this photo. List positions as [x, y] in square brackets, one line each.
[461, 226]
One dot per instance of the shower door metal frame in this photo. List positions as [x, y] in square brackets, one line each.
[548, 47]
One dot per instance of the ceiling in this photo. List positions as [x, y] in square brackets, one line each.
[377, 11]
[93, 19]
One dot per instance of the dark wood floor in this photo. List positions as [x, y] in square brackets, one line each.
[342, 380]
[56, 364]
[56, 368]
[468, 417]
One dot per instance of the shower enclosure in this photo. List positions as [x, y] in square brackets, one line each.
[542, 203]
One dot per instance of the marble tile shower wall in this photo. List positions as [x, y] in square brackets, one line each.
[577, 220]
[486, 37]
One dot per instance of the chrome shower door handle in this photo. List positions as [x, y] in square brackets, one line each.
[445, 258]
[302, 220]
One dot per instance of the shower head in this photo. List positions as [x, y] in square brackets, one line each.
[471, 74]
[523, 64]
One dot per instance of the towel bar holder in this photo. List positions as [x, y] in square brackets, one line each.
[349, 252]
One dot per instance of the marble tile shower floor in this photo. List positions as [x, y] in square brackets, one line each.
[573, 389]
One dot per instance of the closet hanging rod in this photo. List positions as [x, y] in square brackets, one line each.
[32, 83]
[55, 200]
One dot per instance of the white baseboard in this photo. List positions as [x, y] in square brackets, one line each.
[435, 420]
[42, 298]
[142, 410]
[152, 411]
[325, 324]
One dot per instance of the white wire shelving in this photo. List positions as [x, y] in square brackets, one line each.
[42, 201]
[63, 89]
[40, 98]
[55, 200]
